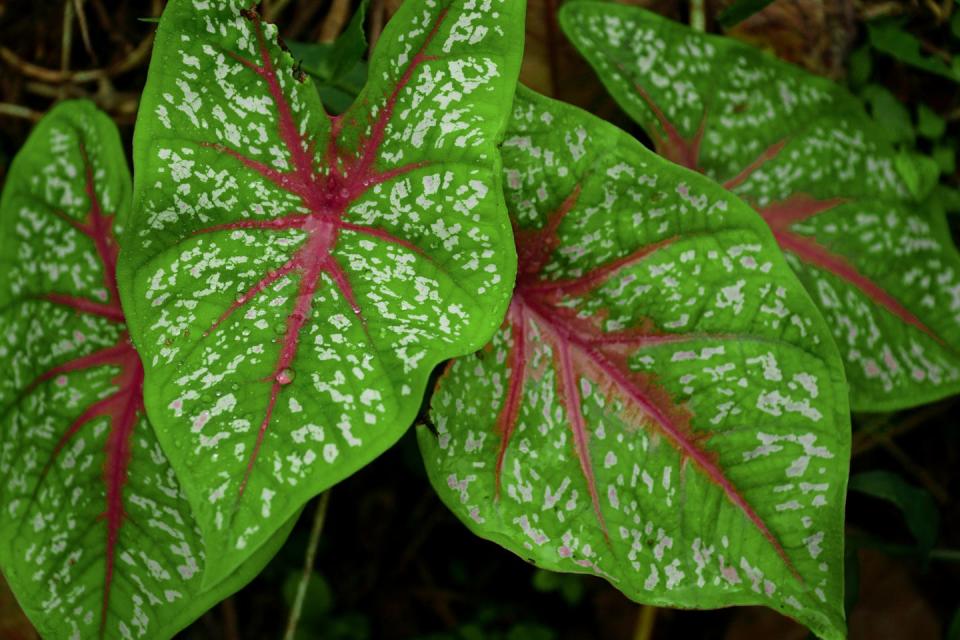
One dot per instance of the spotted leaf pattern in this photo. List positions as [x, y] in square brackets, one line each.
[294, 277]
[96, 536]
[801, 150]
[663, 406]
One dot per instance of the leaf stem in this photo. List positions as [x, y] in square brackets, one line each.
[318, 518]
[646, 618]
[698, 17]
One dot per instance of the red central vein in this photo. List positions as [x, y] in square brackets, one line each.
[579, 342]
[765, 156]
[812, 252]
[672, 145]
[681, 440]
[571, 397]
[781, 215]
[122, 406]
[97, 226]
[327, 198]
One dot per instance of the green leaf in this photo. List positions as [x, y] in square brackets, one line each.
[801, 150]
[945, 155]
[664, 406]
[918, 172]
[740, 10]
[860, 66]
[944, 200]
[530, 631]
[917, 506]
[887, 36]
[293, 279]
[955, 24]
[350, 46]
[929, 124]
[96, 537]
[569, 586]
[892, 118]
[319, 598]
[337, 68]
[337, 93]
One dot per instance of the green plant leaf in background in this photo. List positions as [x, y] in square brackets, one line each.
[568, 585]
[892, 118]
[740, 10]
[917, 506]
[292, 279]
[337, 68]
[918, 172]
[96, 537]
[929, 124]
[664, 406]
[887, 36]
[859, 67]
[801, 150]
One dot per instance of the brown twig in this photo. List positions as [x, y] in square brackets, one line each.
[869, 12]
[17, 111]
[274, 9]
[377, 9]
[302, 19]
[919, 473]
[936, 51]
[646, 619]
[66, 42]
[55, 91]
[230, 627]
[84, 31]
[336, 19]
[869, 437]
[318, 519]
[133, 59]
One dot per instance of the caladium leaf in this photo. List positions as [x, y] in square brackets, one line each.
[294, 278]
[96, 536]
[800, 149]
[663, 406]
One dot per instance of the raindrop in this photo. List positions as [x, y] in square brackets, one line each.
[286, 376]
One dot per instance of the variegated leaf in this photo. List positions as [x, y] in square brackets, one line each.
[664, 406]
[96, 537]
[293, 278]
[801, 150]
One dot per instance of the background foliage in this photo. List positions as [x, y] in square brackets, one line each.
[393, 562]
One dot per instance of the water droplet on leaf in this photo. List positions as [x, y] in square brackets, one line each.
[286, 376]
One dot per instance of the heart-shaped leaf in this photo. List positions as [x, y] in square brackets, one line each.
[294, 278]
[96, 537]
[664, 406]
[801, 150]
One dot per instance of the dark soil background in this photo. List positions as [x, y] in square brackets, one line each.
[393, 563]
